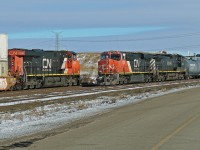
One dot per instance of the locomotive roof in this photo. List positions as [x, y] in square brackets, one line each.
[139, 52]
[41, 50]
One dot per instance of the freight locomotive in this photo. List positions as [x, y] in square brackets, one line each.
[117, 67]
[37, 68]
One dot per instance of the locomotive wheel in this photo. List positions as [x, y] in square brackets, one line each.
[11, 88]
[25, 87]
[125, 81]
[75, 82]
[32, 86]
[18, 87]
[39, 85]
[65, 84]
[70, 83]
[146, 80]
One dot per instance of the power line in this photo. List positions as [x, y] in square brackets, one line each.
[140, 39]
[183, 47]
[38, 43]
[58, 41]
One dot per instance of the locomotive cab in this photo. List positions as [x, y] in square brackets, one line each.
[112, 67]
[72, 65]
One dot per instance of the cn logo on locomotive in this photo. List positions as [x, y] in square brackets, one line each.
[13, 52]
[136, 63]
[46, 63]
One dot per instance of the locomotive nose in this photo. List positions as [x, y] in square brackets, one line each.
[104, 66]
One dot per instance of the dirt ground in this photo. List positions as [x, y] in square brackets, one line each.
[30, 142]
[164, 121]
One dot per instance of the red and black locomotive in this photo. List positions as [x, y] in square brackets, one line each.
[117, 67]
[37, 68]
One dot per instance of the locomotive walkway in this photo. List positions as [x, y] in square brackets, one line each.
[162, 123]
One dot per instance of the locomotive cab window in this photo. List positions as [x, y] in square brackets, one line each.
[74, 57]
[116, 56]
[124, 56]
[69, 56]
[104, 56]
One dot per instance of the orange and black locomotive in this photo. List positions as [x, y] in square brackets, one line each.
[117, 67]
[37, 68]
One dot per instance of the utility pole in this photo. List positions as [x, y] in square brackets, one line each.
[57, 40]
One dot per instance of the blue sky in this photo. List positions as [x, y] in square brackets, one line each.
[84, 32]
[95, 26]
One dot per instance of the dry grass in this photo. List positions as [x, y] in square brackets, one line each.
[82, 106]
[7, 117]
[89, 62]
[19, 117]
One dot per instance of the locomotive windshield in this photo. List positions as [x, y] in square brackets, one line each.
[71, 57]
[105, 55]
[111, 56]
[116, 56]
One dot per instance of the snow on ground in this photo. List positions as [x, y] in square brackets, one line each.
[24, 99]
[14, 125]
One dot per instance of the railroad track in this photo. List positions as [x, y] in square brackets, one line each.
[58, 93]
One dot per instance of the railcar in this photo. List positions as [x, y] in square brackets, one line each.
[6, 82]
[193, 65]
[117, 67]
[37, 68]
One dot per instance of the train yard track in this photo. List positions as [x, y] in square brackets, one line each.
[26, 99]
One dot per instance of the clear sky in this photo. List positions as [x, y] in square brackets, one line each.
[100, 25]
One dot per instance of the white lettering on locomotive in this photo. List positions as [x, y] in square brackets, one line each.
[136, 63]
[169, 63]
[46, 64]
[192, 65]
